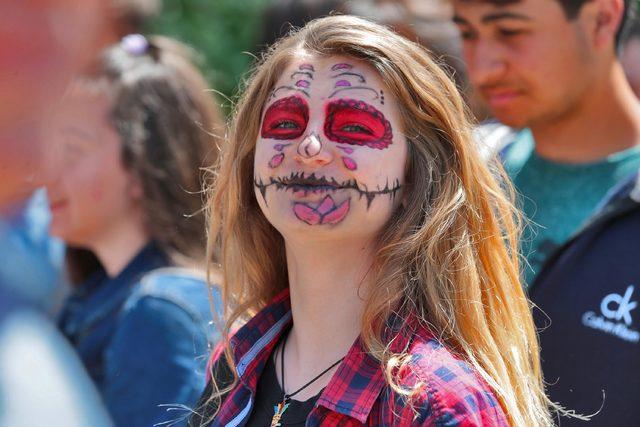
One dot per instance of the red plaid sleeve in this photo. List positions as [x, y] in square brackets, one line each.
[450, 392]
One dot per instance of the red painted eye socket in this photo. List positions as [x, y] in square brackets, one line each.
[285, 119]
[357, 123]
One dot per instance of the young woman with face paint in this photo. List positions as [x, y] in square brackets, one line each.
[130, 139]
[367, 246]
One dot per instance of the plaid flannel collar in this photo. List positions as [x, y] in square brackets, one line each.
[352, 390]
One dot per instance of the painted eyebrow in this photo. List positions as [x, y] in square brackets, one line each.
[493, 17]
[349, 73]
[304, 92]
[306, 73]
[342, 89]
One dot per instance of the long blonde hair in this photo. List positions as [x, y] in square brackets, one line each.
[448, 256]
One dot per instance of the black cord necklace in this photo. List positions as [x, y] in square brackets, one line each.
[281, 407]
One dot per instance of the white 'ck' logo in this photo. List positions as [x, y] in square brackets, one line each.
[625, 305]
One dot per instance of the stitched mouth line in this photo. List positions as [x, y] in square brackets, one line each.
[299, 181]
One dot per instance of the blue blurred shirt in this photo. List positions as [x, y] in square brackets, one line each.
[31, 261]
[144, 337]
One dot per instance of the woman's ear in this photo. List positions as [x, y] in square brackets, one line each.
[134, 189]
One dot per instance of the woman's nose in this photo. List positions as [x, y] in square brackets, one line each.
[312, 150]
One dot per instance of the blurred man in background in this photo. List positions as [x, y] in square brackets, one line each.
[43, 43]
[551, 66]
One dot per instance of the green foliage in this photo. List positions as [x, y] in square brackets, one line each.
[221, 31]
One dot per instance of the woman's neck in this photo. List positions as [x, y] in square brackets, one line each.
[327, 282]
[116, 248]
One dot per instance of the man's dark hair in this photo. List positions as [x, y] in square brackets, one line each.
[572, 8]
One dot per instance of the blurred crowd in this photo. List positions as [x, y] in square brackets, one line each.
[112, 117]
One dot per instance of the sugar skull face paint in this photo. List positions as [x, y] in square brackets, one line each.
[341, 66]
[285, 119]
[276, 160]
[349, 121]
[334, 158]
[326, 212]
[349, 163]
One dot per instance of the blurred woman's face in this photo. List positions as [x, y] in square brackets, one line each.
[331, 152]
[90, 193]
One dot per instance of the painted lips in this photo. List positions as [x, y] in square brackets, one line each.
[326, 212]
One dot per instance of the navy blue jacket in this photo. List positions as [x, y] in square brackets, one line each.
[586, 299]
[144, 338]
[587, 295]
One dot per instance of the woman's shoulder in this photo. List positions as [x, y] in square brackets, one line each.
[169, 301]
[448, 390]
[180, 289]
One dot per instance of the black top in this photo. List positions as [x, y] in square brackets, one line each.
[268, 394]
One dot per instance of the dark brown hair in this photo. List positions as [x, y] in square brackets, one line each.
[571, 9]
[169, 127]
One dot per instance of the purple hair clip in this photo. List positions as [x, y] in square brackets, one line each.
[135, 44]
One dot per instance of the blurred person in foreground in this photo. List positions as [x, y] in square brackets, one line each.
[41, 381]
[365, 243]
[131, 137]
[43, 40]
[40, 50]
[551, 66]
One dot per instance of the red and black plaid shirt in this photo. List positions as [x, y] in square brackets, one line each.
[450, 392]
